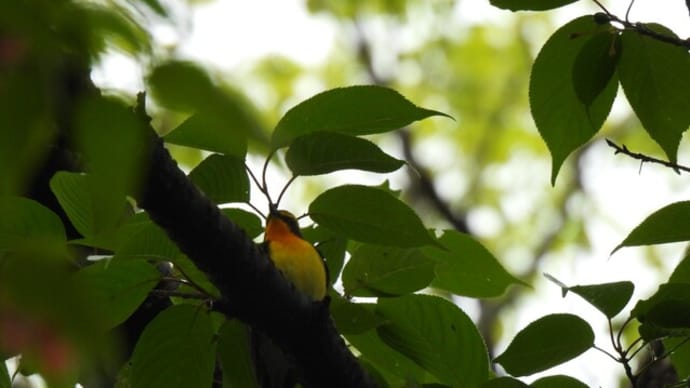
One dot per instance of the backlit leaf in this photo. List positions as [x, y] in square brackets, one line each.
[609, 298]
[375, 270]
[563, 121]
[371, 215]
[354, 110]
[222, 178]
[324, 152]
[666, 225]
[656, 82]
[595, 65]
[545, 343]
[465, 267]
[558, 381]
[210, 132]
[438, 336]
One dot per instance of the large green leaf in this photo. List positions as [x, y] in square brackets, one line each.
[375, 351]
[438, 336]
[466, 268]
[183, 86]
[563, 121]
[331, 246]
[545, 343]
[656, 82]
[558, 381]
[210, 132]
[119, 287]
[28, 225]
[595, 66]
[668, 224]
[530, 5]
[235, 355]
[680, 356]
[80, 195]
[324, 152]
[248, 221]
[667, 312]
[222, 178]
[375, 270]
[354, 318]
[354, 110]
[177, 349]
[369, 214]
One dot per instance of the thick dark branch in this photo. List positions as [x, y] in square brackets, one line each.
[622, 149]
[252, 290]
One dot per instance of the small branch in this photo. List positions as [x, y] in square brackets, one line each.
[642, 28]
[186, 295]
[622, 149]
[604, 351]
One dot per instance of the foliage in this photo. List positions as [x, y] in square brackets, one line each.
[374, 241]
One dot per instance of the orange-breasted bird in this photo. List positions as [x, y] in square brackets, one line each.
[294, 256]
[301, 264]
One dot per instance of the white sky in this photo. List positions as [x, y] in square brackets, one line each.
[227, 34]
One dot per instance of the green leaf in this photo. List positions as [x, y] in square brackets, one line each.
[331, 246]
[5, 381]
[184, 86]
[466, 268]
[666, 225]
[143, 238]
[222, 178]
[504, 382]
[176, 349]
[667, 312]
[595, 66]
[248, 221]
[563, 121]
[26, 225]
[210, 132]
[118, 287]
[80, 195]
[438, 336]
[681, 356]
[656, 82]
[192, 273]
[354, 318]
[375, 270]
[324, 152]
[370, 215]
[530, 5]
[354, 110]
[558, 381]
[609, 298]
[235, 355]
[545, 343]
[374, 350]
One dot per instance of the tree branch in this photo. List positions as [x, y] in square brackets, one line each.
[641, 28]
[622, 149]
[252, 289]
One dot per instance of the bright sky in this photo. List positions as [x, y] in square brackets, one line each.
[228, 33]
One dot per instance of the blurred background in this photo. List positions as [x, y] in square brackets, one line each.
[486, 173]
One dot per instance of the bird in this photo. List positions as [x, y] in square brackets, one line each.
[303, 266]
[296, 258]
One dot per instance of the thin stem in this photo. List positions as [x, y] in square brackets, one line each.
[256, 209]
[263, 175]
[620, 332]
[606, 353]
[256, 181]
[632, 345]
[638, 350]
[666, 354]
[615, 342]
[282, 192]
[627, 12]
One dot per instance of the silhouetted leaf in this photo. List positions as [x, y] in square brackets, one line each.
[235, 355]
[530, 5]
[222, 178]
[656, 82]
[595, 66]
[558, 381]
[371, 215]
[209, 132]
[545, 343]
[324, 152]
[668, 224]
[609, 298]
[354, 110]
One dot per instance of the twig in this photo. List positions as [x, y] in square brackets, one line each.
[622, 149]
[642, 28]
[187, 295]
